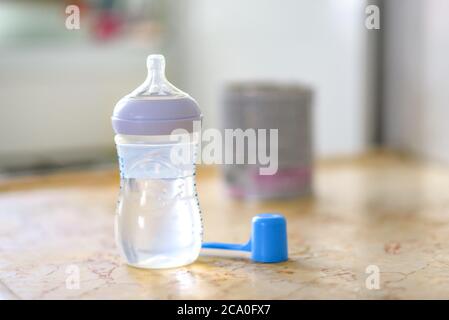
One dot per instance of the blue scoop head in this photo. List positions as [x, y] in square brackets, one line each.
[268, 243]
[269, 238]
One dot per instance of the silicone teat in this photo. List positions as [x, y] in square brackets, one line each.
[156, 74]
[268, 241]
[156, 62]
[156, 84]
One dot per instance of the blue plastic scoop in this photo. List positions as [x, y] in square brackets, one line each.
[268, 241]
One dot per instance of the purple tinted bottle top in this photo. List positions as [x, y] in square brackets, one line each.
[156, 107]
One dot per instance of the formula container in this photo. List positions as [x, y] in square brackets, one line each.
[283, 107]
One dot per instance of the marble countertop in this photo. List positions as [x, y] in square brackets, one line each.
[377, 219]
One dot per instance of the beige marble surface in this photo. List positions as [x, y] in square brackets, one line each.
[380, 210]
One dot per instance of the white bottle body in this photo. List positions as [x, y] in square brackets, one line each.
[158, 220]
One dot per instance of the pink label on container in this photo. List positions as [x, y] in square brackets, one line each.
[283, 179]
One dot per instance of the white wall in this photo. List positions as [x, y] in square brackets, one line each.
[57, 92]
[322, 43]
[417, 77]
[59, 99]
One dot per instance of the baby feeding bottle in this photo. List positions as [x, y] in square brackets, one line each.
[158, 221]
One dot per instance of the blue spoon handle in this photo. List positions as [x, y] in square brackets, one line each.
[227, 246]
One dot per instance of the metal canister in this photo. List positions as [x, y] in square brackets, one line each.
[285, 107]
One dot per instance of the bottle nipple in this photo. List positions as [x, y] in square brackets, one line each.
[156, 63]
[156, 84]
[156, 75]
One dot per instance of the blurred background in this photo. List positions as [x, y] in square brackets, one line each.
[386, 87]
